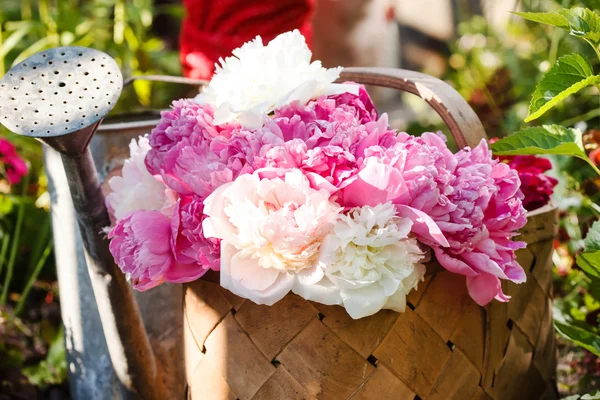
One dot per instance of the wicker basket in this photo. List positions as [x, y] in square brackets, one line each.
[443, 347]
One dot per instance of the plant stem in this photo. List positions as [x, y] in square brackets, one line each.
[3, 250]
[594, 47]
[584, 117]
[38, 246]
[552, 56]
[15, 242]
[38, 267]
[590, 162]
[2, 71]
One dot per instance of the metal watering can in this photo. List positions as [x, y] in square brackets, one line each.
[61, 96]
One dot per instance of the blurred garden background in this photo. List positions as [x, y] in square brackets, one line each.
[492, 57]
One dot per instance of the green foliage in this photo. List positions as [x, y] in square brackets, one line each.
[592, 240]
[589, 259]
[582, 337]
[576, 315]
[569, 75]
[53, 369]
[580, 22]
[589, 396]
[546, 140]
[123, 29]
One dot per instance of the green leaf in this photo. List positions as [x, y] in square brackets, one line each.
[589, 396]
[545, 139]
[589, 259]
[581, 337]
[52, 370]
[592, 240]
[567, 76]
[13, 40]
[580, 22]
[548, 18]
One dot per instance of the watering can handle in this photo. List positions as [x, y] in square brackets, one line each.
[464, 125]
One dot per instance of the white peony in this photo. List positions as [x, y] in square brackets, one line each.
[271, 224]
[367, 263]
[136, 188]
[258, 79]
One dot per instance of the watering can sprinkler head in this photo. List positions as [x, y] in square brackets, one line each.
[60, 96]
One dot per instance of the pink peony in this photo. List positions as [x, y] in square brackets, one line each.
[271, 224]
[487, 214]
[410, 173]
[324, 137]
[335, 120]
[188, 240]
[194, 157]
[140, 245]
[13, 166]
[472, 199]
[537, 187]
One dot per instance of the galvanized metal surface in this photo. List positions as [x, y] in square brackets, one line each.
[59, 91]
[91, 374]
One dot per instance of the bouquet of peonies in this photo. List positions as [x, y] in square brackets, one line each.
[283, 181]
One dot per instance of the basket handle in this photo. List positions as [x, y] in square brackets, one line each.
[464, 125]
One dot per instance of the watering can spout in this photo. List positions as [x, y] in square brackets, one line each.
[73, 144]
[60, 97]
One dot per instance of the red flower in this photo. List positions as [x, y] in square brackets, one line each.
[12, 166]
[212, 29]
[537, 187]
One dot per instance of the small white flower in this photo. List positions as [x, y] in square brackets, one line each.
[136, 188]
[367, 263]
[258, 79]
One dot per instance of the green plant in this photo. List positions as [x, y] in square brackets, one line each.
[569, 75]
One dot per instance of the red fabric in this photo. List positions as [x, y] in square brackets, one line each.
[213, 28]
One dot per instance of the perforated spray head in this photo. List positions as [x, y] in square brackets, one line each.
[60, 96]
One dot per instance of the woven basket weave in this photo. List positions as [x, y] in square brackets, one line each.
[443, 347]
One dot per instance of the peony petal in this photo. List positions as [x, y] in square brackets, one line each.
[363, 302]
[181, 273]
[310, 276]
[423, 226]
[396, 302]
[484, 263]
[345, 284]
[453, 264]
[249, 274]
[227, 253]
[275, 292]
[515, 272]
[217, 225]
[484, 288]
[280, 287]
[324, 291]
[144, 285]
[376, 184]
